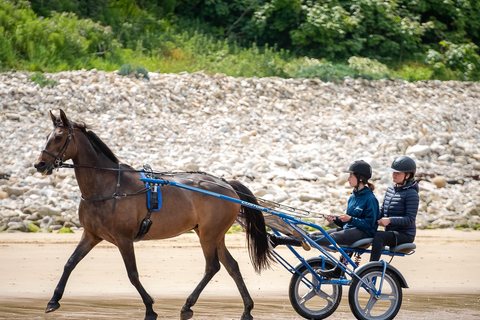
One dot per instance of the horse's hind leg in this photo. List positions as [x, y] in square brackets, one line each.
[212, 266]
[86, 244]
[128, 254]
[232, 267]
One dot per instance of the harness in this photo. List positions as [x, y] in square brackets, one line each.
[154, 202]
[154, 198]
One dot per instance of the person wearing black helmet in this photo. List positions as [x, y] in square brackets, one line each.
[358, 222]
[399, 208]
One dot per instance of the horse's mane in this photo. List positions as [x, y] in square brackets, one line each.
[97, 143]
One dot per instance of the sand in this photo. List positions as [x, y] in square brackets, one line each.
[442, 272]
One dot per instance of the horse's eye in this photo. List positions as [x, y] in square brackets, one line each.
[58, 137]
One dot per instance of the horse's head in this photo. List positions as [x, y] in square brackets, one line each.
[58, 147]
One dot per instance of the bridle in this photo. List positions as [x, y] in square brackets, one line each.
[63, 151]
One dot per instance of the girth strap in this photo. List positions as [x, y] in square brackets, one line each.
[154, 203]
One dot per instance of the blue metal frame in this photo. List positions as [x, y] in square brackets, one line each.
[295, 223]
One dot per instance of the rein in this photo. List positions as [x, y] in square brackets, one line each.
[268, 203]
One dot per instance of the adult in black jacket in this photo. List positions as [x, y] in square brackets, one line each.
[399, 208]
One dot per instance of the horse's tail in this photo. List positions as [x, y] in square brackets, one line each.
[257, 241]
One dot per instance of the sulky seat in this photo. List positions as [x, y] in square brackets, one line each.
[402, 248]
[361, 244]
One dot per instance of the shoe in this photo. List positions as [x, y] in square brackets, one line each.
[335, 272]
[277, 240]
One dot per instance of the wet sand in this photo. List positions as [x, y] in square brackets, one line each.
[442, 275]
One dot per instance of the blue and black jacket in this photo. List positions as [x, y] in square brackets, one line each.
[401, 206]
[363, 207]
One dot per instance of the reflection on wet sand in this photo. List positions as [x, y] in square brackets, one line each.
[415, 306]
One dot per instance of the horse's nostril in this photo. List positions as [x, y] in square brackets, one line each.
[39, 164]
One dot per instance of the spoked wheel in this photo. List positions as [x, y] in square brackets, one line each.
[309, 302]
[365, 305]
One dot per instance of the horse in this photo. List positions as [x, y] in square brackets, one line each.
[114, 207]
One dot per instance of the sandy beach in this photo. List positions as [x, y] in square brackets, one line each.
[442, 276]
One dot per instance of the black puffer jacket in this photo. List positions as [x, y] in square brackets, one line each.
[401, 206]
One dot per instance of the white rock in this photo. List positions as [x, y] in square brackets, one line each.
[418, 150]
[290, 137]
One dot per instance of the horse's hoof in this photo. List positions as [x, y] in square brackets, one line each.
[52, 306]
[152, 316]
[246, 317]
[186, 314]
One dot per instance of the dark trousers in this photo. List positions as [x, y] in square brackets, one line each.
[387, 238]
[343, 237]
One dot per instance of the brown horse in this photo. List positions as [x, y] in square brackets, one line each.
[114, 204]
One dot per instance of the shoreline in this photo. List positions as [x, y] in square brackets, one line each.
[445, 262]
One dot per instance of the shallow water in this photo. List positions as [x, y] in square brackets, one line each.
[415, 306]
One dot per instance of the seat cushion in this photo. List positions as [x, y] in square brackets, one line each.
[403, 248]
[361, 244]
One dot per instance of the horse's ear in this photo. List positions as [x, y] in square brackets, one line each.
[64, 119]
[54, 119]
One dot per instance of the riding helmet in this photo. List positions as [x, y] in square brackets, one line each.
[360, 167]
[404, 164]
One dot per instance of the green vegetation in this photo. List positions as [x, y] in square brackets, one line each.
[65, 230]
[32, 227]
[371, 39]
[235, 229]
[41, 80]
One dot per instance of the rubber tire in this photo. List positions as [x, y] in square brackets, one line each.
[295, 282]
[393, 282]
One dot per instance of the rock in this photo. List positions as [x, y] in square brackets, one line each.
[418, 150]
[12, 116]
[308, 197]
[46, 222]
[48, 211]
[475, 211]
[3, 195]
[440, 182]
[16, 226]
[69, 225]
[60, 220]
[442, 224]
[14, 191]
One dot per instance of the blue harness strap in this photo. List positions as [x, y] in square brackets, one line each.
[153, 203]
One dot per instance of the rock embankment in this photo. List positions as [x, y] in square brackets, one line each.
[288, 139]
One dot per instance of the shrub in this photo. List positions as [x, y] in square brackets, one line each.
[61, 41]
[41, 80]
[138, 72]
[314, 68]
[125, 70]
[414, 72]
[462, 59]
[368, 68]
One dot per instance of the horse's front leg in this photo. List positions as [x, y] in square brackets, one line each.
[128, 254]
[86, 244]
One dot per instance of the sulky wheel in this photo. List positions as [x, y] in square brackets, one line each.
[365, 305]
[309, 302]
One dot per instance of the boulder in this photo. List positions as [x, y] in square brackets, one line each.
[440, 182]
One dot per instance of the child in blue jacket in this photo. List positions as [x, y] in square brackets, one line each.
[360, 219]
